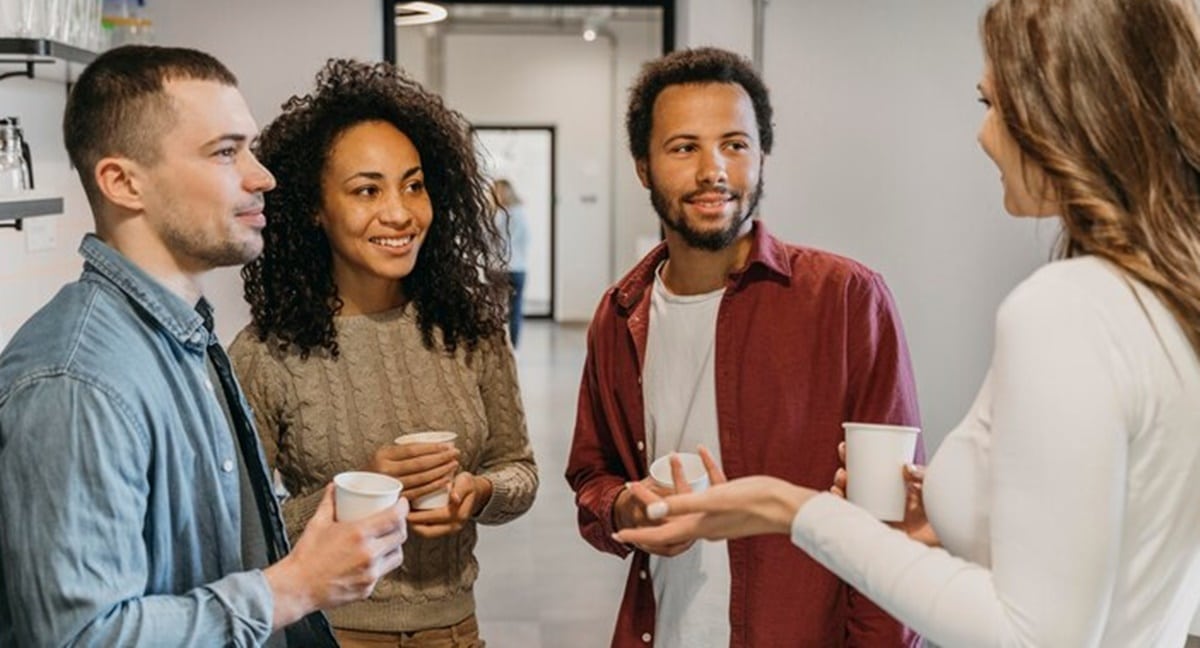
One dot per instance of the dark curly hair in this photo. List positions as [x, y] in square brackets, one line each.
[699, 65]
[454, 286]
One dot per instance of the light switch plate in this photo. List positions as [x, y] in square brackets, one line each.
[40, 233]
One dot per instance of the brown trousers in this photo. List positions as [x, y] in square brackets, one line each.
[464, 634]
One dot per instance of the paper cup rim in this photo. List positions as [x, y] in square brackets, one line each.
[666, 460]
[881, 427]
[442, 436]
[394, 485]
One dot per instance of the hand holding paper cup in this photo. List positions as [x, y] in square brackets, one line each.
[693, 471]
[359, 494]
[438, 498]
[875, 460]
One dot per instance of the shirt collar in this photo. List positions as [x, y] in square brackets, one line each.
[171, 313]
[766, 252]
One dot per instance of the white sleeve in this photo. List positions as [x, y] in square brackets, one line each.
[1058, 474]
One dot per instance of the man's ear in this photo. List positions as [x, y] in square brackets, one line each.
[120, 180]
[643, 171]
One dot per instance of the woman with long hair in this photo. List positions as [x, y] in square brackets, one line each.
[1063, 511]
[377, 313]
[514, 226]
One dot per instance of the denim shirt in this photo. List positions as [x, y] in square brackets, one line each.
[119, 492]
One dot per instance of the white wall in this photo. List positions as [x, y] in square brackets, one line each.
[728, 24]
[29, 279]
[876, 158]
[633, 215]
[275, 48]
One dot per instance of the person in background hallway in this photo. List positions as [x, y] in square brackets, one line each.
[1065, 503]
[375, 315]
[514, 225]
[727, 337]
[136, 507]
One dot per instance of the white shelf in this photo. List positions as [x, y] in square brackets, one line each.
[14, 209]
[32, 57]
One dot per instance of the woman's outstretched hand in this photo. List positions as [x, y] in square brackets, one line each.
[743, 507]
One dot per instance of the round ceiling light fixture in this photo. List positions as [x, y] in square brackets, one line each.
[419, 13]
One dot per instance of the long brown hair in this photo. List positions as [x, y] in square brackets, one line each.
[1104, 96]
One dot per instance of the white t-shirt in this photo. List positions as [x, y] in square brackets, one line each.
[691, 590]
[1068, 500]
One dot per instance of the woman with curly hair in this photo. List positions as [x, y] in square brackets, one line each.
[376, 314]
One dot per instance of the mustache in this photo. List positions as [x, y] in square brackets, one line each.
[725, 192]
[256, 205]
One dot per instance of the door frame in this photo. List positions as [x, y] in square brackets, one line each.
[550, 128]
[667, 6]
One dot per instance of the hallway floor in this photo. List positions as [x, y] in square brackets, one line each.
[540, 584]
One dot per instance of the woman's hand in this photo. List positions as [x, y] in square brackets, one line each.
[423, 468]
[915, 523]
[468, 496]
[743, 507]
[629, 510]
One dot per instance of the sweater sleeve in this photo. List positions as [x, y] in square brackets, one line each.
[265, 385]
[508, 456]
[1057, 490]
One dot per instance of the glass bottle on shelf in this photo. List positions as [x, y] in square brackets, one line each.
[14, 166]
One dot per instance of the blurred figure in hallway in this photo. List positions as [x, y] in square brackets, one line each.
[514, 226]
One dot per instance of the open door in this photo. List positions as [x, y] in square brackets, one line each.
[524, 155]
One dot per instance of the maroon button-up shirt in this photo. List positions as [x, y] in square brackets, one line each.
[805, 340]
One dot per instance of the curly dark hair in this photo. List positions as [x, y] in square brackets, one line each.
[698, 65]
[455, 285]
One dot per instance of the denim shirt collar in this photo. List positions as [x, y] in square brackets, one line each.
[175, 316]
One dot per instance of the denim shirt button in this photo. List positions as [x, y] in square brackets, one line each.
[227, 466]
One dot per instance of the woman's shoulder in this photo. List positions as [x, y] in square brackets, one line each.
[1070, 283]
[251, 350]
[1087, 296]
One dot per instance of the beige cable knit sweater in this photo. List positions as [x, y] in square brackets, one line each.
[321, 416]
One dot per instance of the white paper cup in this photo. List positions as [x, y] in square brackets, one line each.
[436, 499]
[693, 471]
[360, 494]
[875, 458]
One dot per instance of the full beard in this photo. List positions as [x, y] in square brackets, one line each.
[712, 241]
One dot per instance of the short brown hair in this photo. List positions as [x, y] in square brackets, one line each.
[699, 65]
[118, 107]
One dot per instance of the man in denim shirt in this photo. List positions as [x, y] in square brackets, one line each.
[135, 507]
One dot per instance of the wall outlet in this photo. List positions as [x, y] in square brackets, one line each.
[41, 233]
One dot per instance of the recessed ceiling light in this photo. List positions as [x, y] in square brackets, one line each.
[419, 13]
